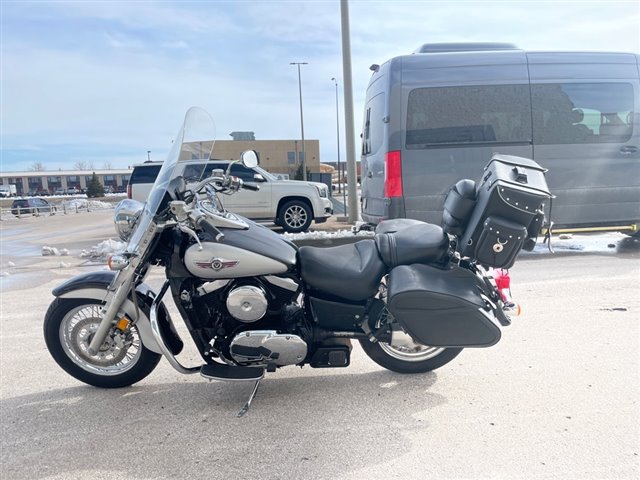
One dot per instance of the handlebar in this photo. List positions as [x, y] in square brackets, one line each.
[211, 229]
[253, 188]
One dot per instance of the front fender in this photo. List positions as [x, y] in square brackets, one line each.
[94, 285]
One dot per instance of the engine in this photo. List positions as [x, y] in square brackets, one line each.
[247, 303]
[253, 322]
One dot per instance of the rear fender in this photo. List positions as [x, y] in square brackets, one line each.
[94, 285]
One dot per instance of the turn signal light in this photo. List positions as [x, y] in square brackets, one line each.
[117, 262]
[122, 324]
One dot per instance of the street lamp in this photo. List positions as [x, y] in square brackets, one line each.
[340, 176]
[304, 160]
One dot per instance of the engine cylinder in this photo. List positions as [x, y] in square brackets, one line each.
[247, 303]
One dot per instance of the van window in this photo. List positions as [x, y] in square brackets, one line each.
[483, 114]
[582, 112]
[373, 125]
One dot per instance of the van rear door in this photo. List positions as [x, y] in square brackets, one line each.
[583, 130]
[458, 109]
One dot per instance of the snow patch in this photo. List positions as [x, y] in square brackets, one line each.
[84, 204]
[320, 235]
[54, 252]
[104, 249]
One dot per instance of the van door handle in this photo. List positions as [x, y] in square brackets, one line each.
[628, 149]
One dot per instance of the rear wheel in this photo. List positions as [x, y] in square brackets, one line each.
[69, 327]
[407, 356]
[409, 359]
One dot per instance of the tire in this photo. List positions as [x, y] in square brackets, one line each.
[295, 216]
[396, 360]
[410, 358]
[68, 327]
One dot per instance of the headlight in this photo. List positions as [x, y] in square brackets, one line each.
[125, 217]
[322, 191]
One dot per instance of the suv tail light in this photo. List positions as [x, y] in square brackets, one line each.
[393, 174]
[129, 191]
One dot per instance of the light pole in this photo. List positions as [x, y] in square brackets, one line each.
[340, 175]
[304, 160]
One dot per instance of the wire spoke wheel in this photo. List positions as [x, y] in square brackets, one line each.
[69, 327]
[119, 353]
[405, 355]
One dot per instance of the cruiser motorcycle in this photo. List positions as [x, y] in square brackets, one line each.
[413, 294]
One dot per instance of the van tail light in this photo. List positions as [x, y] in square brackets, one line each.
[393, 174]
[129, 191]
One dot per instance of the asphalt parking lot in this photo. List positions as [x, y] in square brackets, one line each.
[557, 398]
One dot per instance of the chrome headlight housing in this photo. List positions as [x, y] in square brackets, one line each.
[125, 217]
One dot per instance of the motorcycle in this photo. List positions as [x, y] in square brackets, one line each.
[414, 295]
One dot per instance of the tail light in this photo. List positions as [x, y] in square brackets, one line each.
[503, 284]
[393, 174]
[129, 191]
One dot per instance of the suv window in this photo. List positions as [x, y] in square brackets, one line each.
[145, 174]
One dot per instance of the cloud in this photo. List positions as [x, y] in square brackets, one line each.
[117, 77]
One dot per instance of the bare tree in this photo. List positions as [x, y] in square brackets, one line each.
[37, 167]
[80, 165]
[107, 166]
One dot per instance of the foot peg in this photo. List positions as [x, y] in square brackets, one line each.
[229, 373]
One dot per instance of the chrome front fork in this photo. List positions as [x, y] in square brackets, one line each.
[111, 309]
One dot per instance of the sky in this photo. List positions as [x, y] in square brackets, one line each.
[103, 82]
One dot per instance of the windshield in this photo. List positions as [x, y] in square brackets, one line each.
[194, 141]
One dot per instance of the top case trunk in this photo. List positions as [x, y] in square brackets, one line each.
[512, 192]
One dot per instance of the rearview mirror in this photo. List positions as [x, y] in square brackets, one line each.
[249, 158]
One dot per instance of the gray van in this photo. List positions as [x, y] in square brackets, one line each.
[438, 115]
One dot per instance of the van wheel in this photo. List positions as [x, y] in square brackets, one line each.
[295, 216]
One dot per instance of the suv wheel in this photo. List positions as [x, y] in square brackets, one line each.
[295, 216]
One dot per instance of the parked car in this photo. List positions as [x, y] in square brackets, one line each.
[291, 204]
[32, 206]
[73, 191]
[60, 191]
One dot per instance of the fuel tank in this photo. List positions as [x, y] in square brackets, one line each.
[219, 260]
[242, 253]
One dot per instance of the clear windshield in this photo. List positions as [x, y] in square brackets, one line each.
[194, 141]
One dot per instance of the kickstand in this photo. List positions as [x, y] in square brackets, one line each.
[245, 409]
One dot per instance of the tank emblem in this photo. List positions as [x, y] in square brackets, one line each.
[218, 264]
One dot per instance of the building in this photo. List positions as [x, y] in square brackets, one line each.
[47, 182]
[276, 156]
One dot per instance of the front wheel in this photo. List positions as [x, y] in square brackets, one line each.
[295, 216]
[69, 326]
[408, 358]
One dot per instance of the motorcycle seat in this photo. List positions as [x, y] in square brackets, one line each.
[423, 243]
[351, 271]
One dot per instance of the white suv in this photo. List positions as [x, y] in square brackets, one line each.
[289, 203]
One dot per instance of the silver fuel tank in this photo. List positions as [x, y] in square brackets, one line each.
[242, 253]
